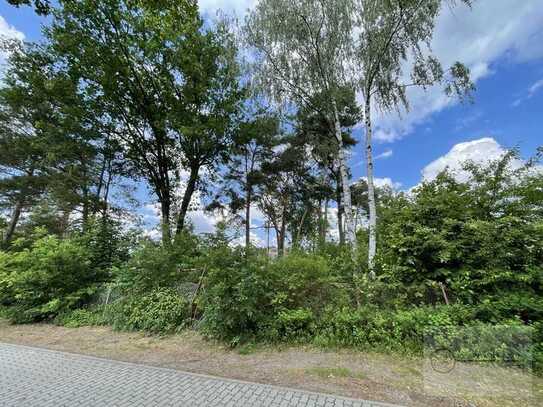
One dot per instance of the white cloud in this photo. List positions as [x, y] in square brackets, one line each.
[479, 151]
[8, 31]
[478, 37]
[384, 182]
[535, 87]
[384, 155]
[532, 90]
[238, 7]
[255, 241]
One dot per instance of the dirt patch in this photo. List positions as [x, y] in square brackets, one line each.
[394, 379]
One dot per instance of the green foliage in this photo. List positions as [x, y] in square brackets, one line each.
[49, 277]
[160, 311]
[481, 239]
[236, 297]
[82, 317]
[154, 265]
[294, 324]
[267, 300]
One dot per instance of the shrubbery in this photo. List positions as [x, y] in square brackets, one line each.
[82, 317]
[49, 277]
[159, 311]
[153, 265]
[477, 247]
[267, 300]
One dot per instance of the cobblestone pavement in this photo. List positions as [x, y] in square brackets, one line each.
[44, 378]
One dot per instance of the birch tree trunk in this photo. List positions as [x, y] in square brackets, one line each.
[372, 244]
[339, 201]
[248, 220]
[13, 222]
[347, 206]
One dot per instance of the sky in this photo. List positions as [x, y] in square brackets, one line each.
[501, 41]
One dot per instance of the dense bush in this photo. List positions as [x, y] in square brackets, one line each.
[49, 277]
[159, 311]
[482, 240]
[82, 317]
[267, 299]
[153, 265]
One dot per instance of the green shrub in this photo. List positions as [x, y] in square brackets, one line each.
[236, 300]
[296, 324]
[82, 317]
[302, 281]
[49, 277]
[160, 311]
[262, 299]
[153, 265]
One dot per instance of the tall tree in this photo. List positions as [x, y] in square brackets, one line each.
[254, 144]
[314, 131]
[46, 147]
[302, 50]
[394, 42]
[166, 87]
[284, 192]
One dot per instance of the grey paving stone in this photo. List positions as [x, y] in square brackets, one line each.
[32, 377]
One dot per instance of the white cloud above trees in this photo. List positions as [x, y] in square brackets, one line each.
[479, 151]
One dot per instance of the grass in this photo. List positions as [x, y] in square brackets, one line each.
[333, 372]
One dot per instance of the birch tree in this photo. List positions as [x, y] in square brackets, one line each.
[301, 50]
[393, 53]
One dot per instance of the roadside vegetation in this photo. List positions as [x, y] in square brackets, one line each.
[130, 92]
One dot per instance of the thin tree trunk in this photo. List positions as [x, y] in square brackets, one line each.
[340, 216]
[300, 227]
[248, 220]
[13, 223]
[281, 235]
[325, 225]
[247, 205]
[106, 191]
[321, 224]
[165, 221]
[187, 196]
[347, 207]
[372, 244]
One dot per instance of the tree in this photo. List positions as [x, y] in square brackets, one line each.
[302, 50]
[253, 145]
[478, 236]
[46, 148]
[42, 7]
[287, 179]
[314, 131]
[391, 34]
[165, 87]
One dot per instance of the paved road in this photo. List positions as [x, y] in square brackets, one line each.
[44, 378]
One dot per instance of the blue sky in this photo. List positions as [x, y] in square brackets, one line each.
[500, 40]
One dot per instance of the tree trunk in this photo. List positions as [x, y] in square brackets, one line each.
[321, 224]
[165, 208]
[325, 225]
[372, 244]
[187, 196]
[347, 207]
[340, 216]
[248, 197]
[281, 235]
[248, 220]
[296, 242]
[13, 223]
